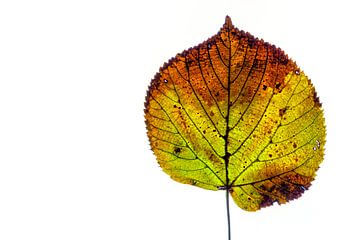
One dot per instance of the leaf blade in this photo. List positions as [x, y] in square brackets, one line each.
[236, 113]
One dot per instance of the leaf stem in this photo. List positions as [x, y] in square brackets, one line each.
[228, 213]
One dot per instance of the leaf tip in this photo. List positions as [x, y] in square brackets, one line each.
[228, 23]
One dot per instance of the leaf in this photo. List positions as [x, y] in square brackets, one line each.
[235, 113]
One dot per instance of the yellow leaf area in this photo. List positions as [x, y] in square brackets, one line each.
[235, 113]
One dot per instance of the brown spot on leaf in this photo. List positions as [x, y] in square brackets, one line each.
[282, 111]
[177, 150]
[266, 201]
[284, 188]
[316, 100]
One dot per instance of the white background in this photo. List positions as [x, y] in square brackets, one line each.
[75, 161]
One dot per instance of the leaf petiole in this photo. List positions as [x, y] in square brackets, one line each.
[228, 213]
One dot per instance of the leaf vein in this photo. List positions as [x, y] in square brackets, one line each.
[201, 104]
[187, 142]
[212, 67]
[207, 87]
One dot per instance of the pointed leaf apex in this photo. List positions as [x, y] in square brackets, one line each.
[228, 24]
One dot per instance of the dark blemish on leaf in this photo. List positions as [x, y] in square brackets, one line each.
[294, 145]
[249, 198]
[270, 155]
[251, 41]
[284, 188]
[177, 150]
[316, 100]
[296, 192]
[272, 188]
[190, 61]
[204, 131]
[277, 86]
[282, 111]
[217, 94]
[165, 81]
[264, 87]
[214, 130]
[267, 201]
[283, 59]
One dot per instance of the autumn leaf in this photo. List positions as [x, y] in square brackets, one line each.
[235, 113]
